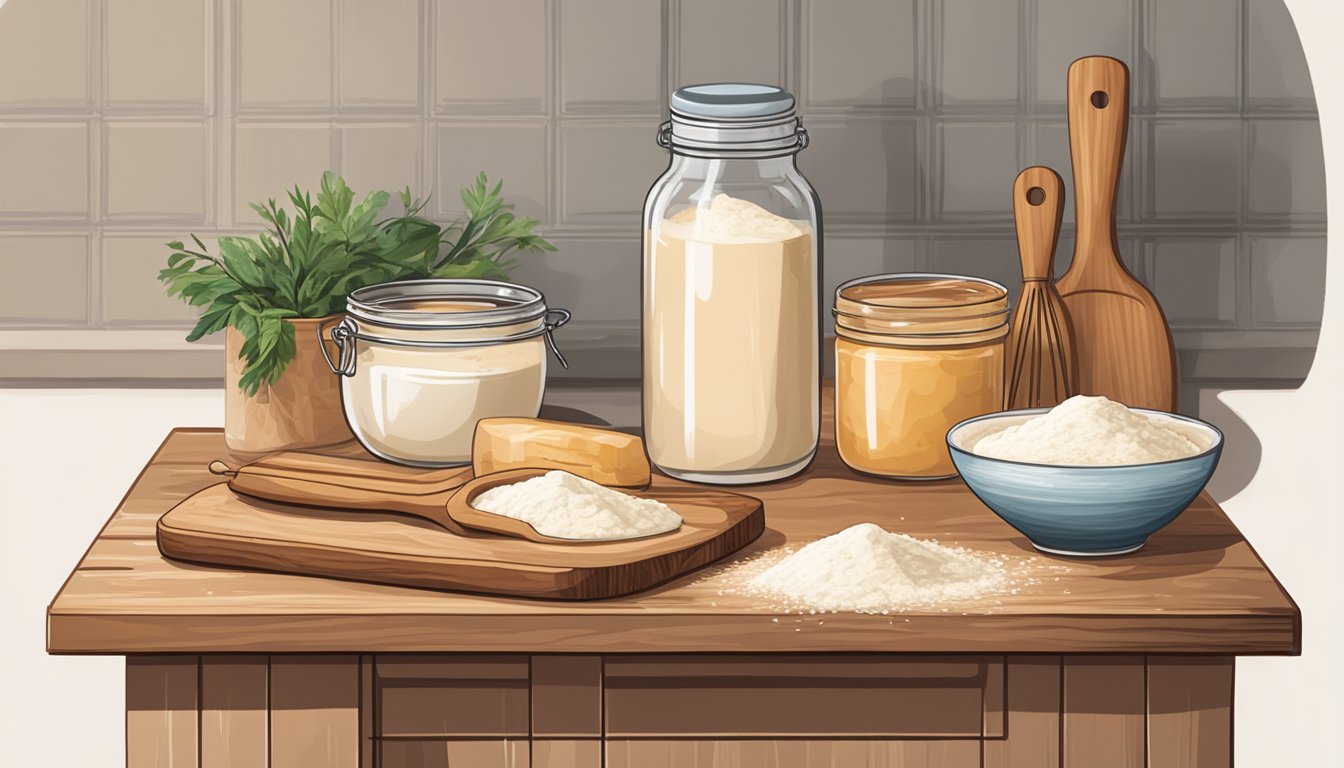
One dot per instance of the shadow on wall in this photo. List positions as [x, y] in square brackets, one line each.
[1241, 448]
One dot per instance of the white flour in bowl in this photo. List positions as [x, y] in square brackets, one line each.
[1089, 431]
[567, 506]
[864, 568]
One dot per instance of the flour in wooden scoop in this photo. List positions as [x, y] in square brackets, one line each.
[864, 568]
[566, 506]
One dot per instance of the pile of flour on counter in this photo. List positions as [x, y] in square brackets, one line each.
[1088, 431]
[567, 506]
[866, 569]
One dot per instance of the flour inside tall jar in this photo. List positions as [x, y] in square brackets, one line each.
[730, 343]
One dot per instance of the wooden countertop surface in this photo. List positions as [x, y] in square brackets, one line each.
[1197, 587]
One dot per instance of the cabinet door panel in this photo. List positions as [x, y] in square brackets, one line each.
[792, 754]
[810, 696]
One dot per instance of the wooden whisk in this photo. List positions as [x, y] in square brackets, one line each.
[1042, 366]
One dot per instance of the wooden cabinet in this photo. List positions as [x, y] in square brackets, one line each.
[694, 711]
[1112, 662]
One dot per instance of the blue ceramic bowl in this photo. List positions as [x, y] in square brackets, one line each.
[1084, 510]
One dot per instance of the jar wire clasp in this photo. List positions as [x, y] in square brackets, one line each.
[343, 336]
[562, 316]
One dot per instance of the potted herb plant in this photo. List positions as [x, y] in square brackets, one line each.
[269, 293]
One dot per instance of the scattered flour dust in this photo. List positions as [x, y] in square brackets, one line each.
[866, 569]
[567, 506]
[1089, 431]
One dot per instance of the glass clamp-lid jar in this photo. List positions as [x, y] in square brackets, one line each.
[421, 361]
[731, 324]
[914, 355]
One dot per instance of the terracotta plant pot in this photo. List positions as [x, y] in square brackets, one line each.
[301, 410]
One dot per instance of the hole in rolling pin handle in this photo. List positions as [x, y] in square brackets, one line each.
[1100, 99]
[1035, 195]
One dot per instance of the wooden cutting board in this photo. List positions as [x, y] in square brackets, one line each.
[218, 527]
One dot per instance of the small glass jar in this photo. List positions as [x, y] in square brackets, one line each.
[914, 355]
[421, 361]
[731, 298]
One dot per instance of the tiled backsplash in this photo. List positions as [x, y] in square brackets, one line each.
[126, 123]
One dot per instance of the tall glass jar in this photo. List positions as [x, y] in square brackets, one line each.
[732, 257]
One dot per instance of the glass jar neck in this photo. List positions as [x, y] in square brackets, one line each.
[763, 138]
[727, 168]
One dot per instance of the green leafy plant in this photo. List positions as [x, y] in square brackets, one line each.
[306, 262]
[478, 244]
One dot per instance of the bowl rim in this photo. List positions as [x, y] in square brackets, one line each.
[1212, 450]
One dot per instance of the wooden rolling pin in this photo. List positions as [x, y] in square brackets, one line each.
[601, 455]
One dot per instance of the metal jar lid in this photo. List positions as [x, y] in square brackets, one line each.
[921, 309]
[733, 119]
[446, 303]
[391, 313]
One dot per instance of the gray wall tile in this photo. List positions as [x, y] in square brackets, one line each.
[606, 169]
[1195, 169]
[132, 294]
[512, 152]
[1186, 75]
[921, 113]
[383, 156]
[978, 53]
[846, 258]
[611, 56]
[178, 32]
[1195, 280]
[1048, 145]
[1276, 68]
[595, 278]
[1069, 29]
[52, 160]
[54, 33]
[379, 61]
[864, 169]
[979, 163]
[269, 159]
[157, 172]
[994, 258]
[860, 53]
[1286, 275]
[473, 74]
[1286, 176]
[287, 61]
[730, 40]
[46, 280]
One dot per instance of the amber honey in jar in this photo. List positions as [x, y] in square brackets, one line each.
[914, 355]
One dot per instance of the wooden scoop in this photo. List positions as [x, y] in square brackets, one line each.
[353, 484]
[1124, 346]
[349, 483]
[464, 514]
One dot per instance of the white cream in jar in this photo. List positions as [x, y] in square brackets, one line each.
[423, 360]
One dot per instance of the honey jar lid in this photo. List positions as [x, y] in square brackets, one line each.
[918, 304]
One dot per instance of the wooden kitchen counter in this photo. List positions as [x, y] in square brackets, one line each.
[1197, 587]
[1124, 661]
